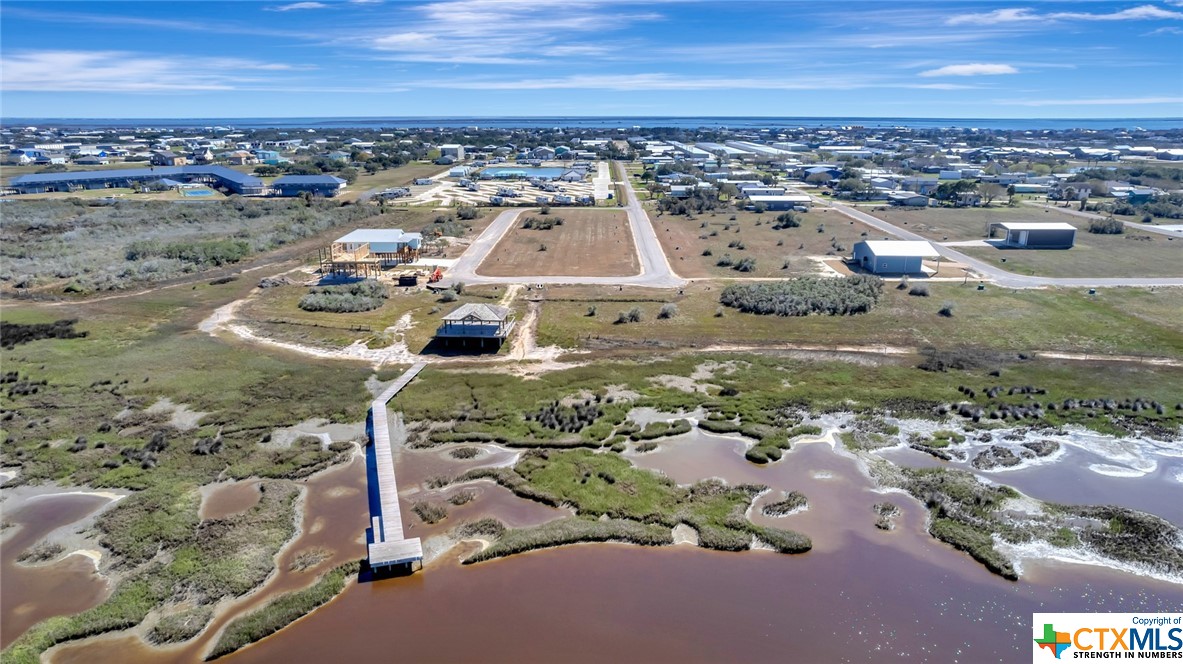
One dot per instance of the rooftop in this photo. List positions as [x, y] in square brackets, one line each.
[309, 179]
[900, 248]
[1035, 226]
[480, 312]
[376, 235]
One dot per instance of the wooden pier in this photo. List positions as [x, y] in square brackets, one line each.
[388, 547]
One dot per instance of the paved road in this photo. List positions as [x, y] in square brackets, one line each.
[999, 276]
[655, 267]
[1169, 232]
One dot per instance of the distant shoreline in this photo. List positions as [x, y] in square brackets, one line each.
[602, 122]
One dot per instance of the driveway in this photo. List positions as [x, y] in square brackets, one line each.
[655, 267]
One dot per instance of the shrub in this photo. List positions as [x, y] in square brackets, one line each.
[365, 295]
[448, 296]
[668, 310]
[706, 252]
[634, 315]
[745, 265]
[855, 294]
[919, 290]
[946, 310]
[786, 220]
[467, 212]
[591, 311]
[903, 285]
[725, 261]
[1108, 226]
[464, 453]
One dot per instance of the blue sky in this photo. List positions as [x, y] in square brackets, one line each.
[468, 58]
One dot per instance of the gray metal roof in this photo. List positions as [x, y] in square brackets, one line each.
[228, 174]
[308, 179]
[482, 312]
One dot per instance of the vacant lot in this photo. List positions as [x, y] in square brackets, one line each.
[588, 243]
[1133, 254]
[741, 235]
[955, 224]
[400, 176]
[1132, 321]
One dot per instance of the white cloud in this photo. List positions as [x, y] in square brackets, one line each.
[1014, 15]
[502, 31]
[117, 71]
[664, 81]
[1099, 101]
[298, 5]
[1167, 31]
[973, 69]
[1026, 15]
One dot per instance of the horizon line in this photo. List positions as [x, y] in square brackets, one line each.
[590, 117]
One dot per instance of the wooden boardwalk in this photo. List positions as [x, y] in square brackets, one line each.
[388, 546]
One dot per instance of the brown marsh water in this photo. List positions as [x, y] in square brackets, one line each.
[34, 593]
[861, 595]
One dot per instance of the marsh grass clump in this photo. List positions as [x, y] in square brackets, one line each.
[487, 527]
[364, 295]
[462, 497]
[793, 501]
[662, 429]
[180, 626]
[429, 512]
[645, 447]
[15, 334]
[886, 512]
[854, 294]
[464, 453]
[282, 611]
[42, 552]
[573, 530]
[568, 419]
[309, 558]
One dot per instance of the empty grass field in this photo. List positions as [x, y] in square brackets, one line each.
[744, 234]
[588, 243]
[399, 176]
[1132, 254]
[958, 224]
[1127, 321]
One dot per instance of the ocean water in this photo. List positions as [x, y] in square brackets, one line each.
[607, 122]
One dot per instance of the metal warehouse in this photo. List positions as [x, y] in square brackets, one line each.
[218, 176]
[893, 256]
[1037, 235]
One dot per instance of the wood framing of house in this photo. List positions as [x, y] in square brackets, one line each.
[367, 251]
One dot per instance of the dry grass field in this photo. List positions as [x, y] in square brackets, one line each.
[595, 243]
[684, 240]
[1134, 321]
[1132, 254]
[957, 224]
